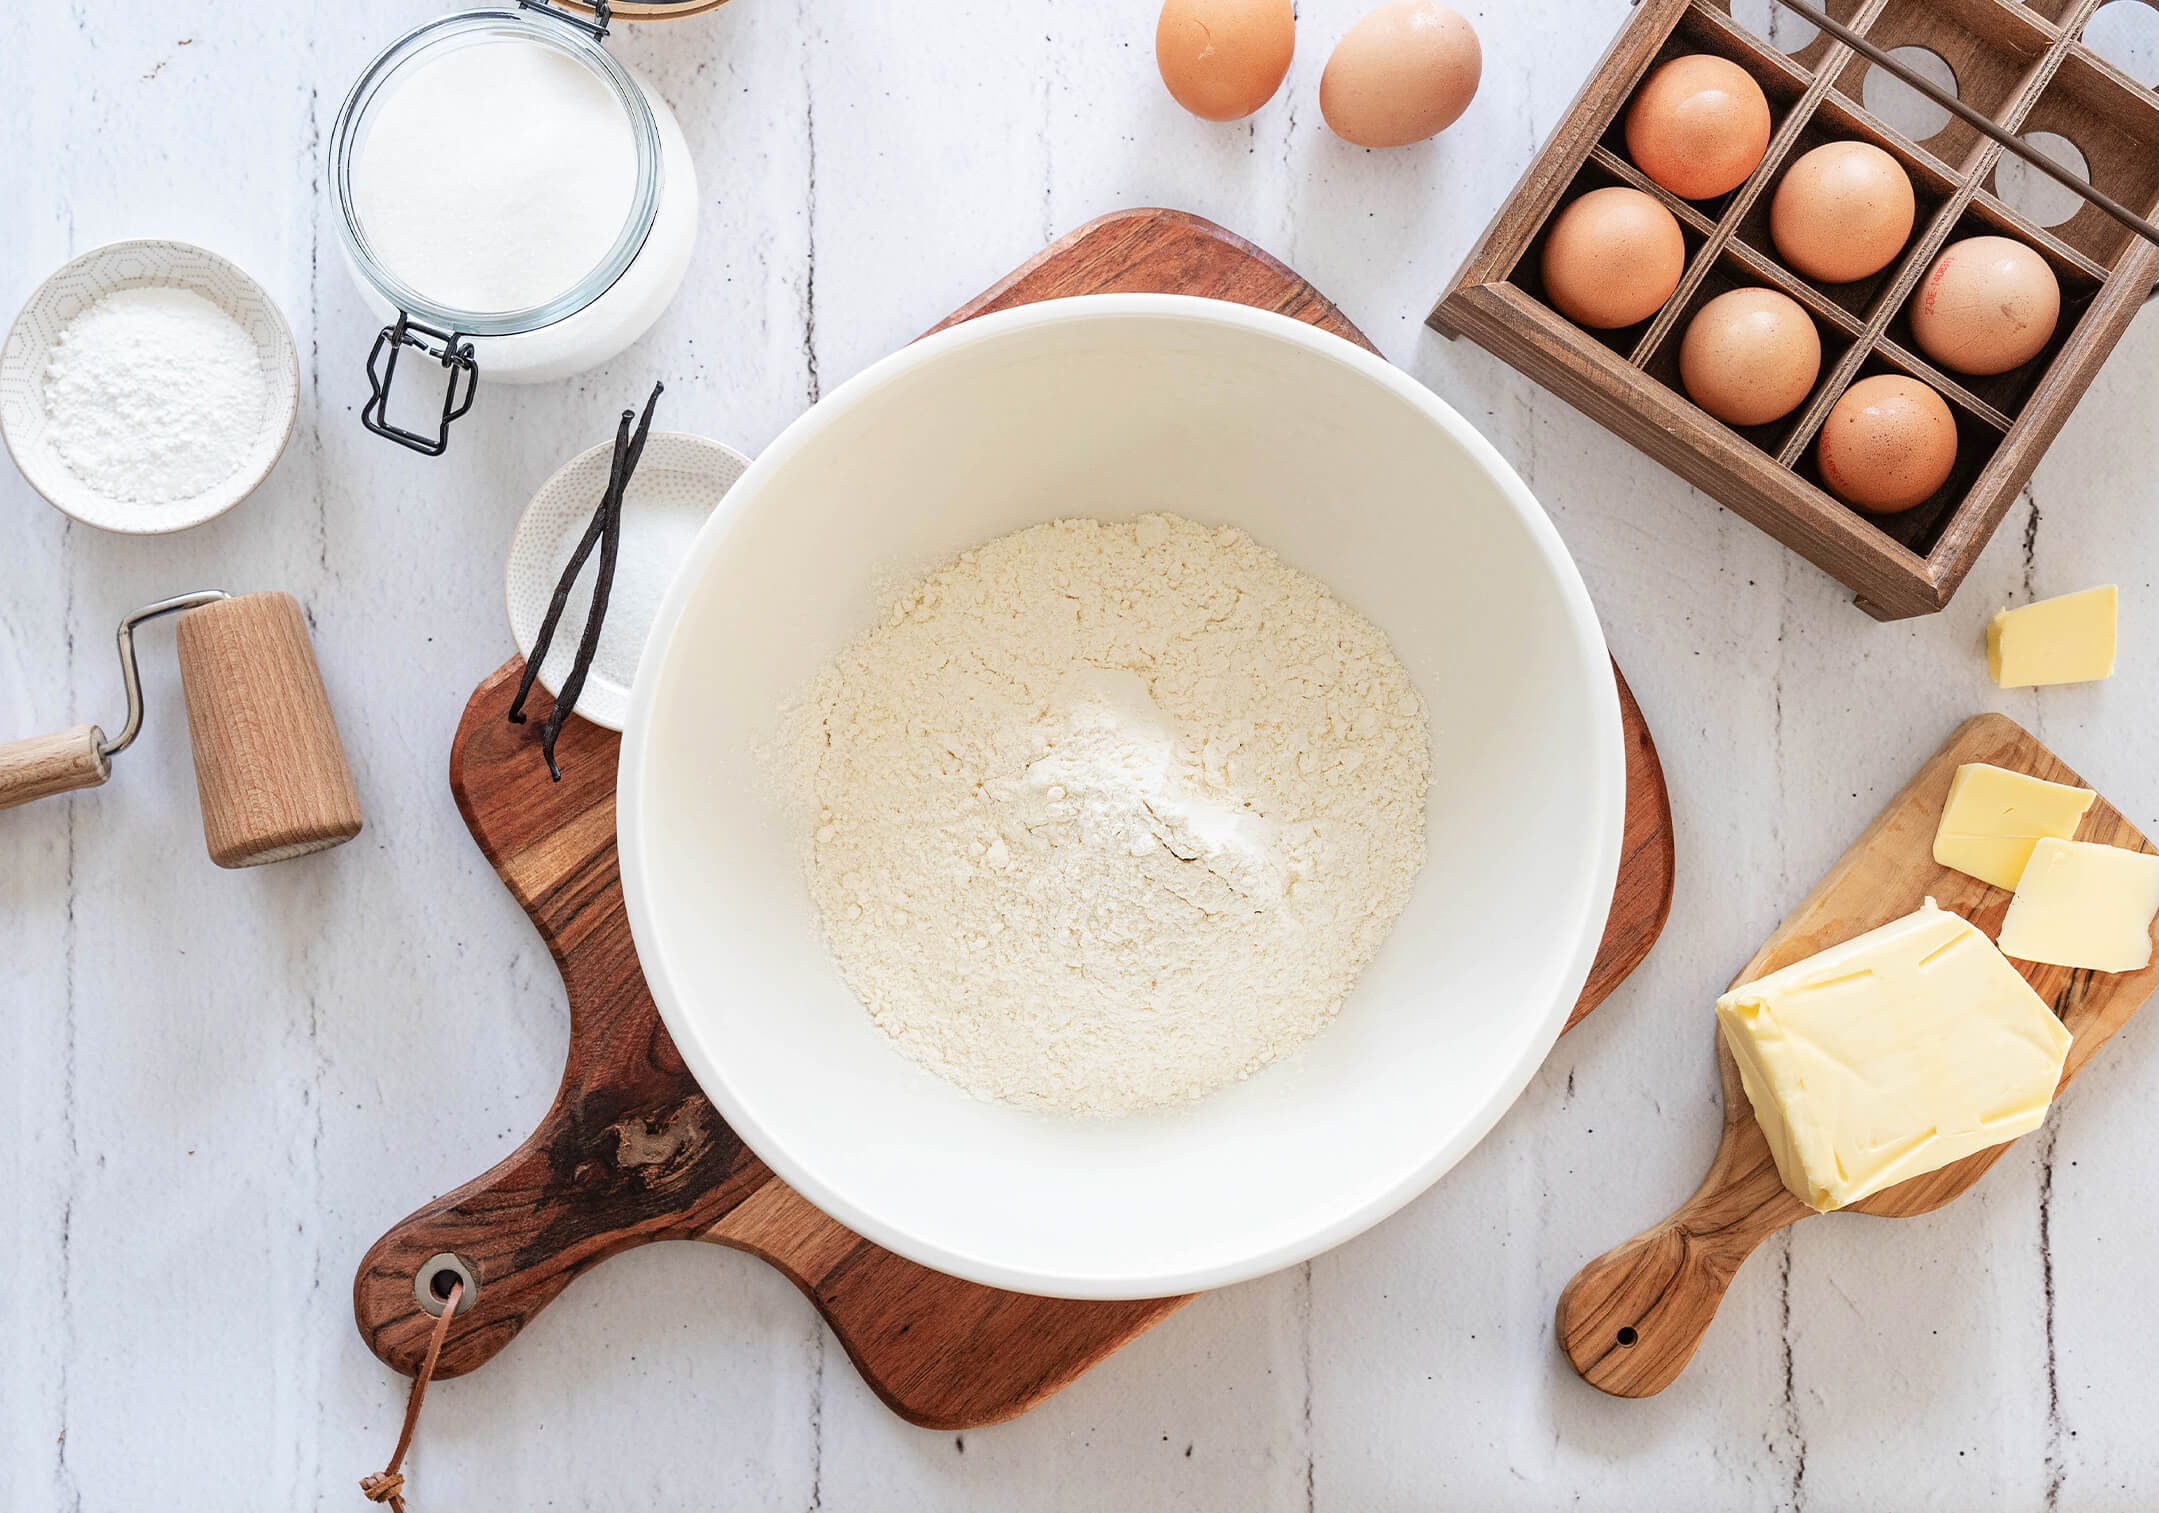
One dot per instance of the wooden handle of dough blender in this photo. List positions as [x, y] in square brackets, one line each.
[39, 766]
[268, 763]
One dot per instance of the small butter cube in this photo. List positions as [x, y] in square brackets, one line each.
[2066, 639]
[1892, 1054]
[1994, 817]
[2082, 905]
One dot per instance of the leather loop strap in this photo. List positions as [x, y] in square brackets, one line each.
[388, 1484]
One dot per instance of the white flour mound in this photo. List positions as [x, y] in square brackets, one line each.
[1110, 815]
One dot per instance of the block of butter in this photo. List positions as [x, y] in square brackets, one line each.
[1892, 1054]
[1994, 817]
[2066, 639]
[2083, 905]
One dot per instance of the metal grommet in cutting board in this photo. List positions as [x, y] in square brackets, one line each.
[679, 473]
[440, 1272]
[633, 1152]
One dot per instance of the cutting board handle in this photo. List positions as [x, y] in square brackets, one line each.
[581, 1189]
[1631, 1319]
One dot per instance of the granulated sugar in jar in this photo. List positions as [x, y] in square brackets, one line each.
[513, 200]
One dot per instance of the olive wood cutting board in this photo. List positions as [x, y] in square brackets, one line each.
[632, 1152]
[1631, 1319]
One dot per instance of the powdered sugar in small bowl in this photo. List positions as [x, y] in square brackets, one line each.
[121, 494]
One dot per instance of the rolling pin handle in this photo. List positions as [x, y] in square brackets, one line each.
[40, 766]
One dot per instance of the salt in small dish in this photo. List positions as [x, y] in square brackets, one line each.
[678, 481]
[25, 424]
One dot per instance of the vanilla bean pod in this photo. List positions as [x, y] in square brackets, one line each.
[588, 644]
[605, 529]
[555, 605]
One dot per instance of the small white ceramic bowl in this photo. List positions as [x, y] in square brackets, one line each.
[677, 473]
[79, 284]
[1111, 406]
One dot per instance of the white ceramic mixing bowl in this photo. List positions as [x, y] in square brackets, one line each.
[1111, 406]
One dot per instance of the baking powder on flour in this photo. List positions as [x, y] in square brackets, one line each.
[1112, 814]
[153, 395]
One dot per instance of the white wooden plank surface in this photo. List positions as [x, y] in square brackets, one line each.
[222, 1086]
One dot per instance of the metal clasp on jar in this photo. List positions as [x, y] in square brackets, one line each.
[596, 27]
[446, 347]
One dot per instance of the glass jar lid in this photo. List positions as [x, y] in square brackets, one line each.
[566, 38]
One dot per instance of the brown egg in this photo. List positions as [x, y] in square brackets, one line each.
[1750, 356]
[1405, 72]
[1888, 444]
[1698, 126]
[1224, 58]
[1613, 258]
[1842, 212]
[1987, 305]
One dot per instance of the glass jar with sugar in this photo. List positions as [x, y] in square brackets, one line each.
[512, 199]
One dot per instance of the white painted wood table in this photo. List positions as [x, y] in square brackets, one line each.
[219, 1087]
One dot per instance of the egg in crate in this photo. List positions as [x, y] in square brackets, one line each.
[1750, 356]
[1842, 212]
[1612, 258]
[1223, 59]
[1404, 73]
[1987, 305]
[1698, 126]
[1888, 444]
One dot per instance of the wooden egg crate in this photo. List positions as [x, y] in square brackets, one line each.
[2023, 67]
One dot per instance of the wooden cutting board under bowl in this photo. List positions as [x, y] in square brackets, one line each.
[632, 1152]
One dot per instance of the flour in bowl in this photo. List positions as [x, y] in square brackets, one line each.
[1109, 815]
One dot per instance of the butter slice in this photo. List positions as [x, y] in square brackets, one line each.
[1892, 1054]
[1994, 817]
[2084, 905]
[2066, 639]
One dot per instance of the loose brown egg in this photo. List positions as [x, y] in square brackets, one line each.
[1405, 72]
[1842, 212]
[1698, 126]
[1613, 258]
[1224, 58]
[1987, 305]
[1750, 356]
[1888, 444]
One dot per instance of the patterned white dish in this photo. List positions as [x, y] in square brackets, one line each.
[676, 469]
[80, 283]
